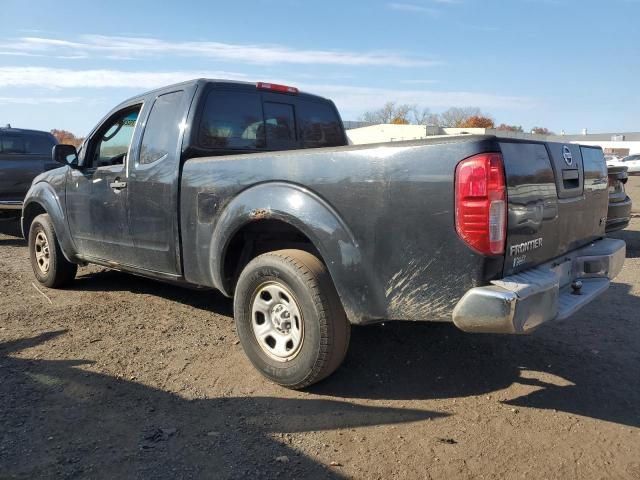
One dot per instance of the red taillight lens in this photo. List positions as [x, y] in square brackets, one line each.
[273, 87]
[481, 207]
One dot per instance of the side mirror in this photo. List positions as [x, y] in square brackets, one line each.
[65, 154]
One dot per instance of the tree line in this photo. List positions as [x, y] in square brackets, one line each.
[455, 117]
[66, 137]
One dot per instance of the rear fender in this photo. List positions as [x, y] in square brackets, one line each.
[315, 218]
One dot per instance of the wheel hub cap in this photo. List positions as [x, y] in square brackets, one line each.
[42, 252]
[277, 322]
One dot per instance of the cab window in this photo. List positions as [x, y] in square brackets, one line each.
[319, 125]
[12, 144]
[114, 139]
[280, 126]
[162, 127]
[27, 144]
[39, 144]
[232, 120]
[249, 121]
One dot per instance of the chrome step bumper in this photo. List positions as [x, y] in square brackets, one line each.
[522, 302]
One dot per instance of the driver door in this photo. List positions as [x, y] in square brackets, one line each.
[96, 193]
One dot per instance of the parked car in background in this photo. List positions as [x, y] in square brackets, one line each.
[612, 158]
[24, 154]
[632, 162]
[619, 212]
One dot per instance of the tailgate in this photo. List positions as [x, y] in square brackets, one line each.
[557, 200]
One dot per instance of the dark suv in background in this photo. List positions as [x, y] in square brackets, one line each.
[24, 154]
[619, 212]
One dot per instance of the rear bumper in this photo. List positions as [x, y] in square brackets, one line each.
[522, 302]
[618, 215]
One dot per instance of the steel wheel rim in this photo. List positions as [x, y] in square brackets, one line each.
[277, 322]
[43, 256]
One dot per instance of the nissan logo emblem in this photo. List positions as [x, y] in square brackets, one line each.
[566, 154]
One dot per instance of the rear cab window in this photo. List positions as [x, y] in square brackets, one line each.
[242, 120]
[319, 125]
[280, 126]
[232, 120]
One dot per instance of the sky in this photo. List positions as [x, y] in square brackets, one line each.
[561, 64]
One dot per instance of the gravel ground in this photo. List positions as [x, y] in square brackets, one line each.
[122, 377]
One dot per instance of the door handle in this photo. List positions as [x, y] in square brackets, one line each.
[117, 184]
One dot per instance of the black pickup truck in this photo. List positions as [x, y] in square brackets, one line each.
[251, 189]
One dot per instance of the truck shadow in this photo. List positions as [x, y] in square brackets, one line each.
[62, 420]
[587, 365]
[11, 228]
[112, 280]
[632, 239]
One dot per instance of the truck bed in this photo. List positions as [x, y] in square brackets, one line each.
[395, 242]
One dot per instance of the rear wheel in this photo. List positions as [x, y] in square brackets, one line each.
[289, 318]
[49, 265]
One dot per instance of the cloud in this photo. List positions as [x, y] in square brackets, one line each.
[413, 8]
[422, 7]
[419, 82]
[38, 100]
[139, 47]
[351, 100]
[67, 78]
[19, 54]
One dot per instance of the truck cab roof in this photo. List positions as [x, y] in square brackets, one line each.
[23, 131]
[315, 118]
[231, 84]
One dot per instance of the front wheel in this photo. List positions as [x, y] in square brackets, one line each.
[47, 260]
[289, 318]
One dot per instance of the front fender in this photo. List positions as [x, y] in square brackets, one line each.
[314, 217]
[43, 196]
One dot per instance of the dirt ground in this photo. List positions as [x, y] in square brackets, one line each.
[121, 377]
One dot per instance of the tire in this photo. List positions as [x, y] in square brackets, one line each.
[49, 265]
[318, 333]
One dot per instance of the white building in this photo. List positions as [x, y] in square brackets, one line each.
[621, 144]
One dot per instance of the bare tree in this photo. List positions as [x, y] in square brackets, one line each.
[541, 131]
[455, 116]
[424, 117]
[404, 113]
[389, 113]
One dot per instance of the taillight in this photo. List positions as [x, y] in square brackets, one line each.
[481, 207]
[273, 87]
